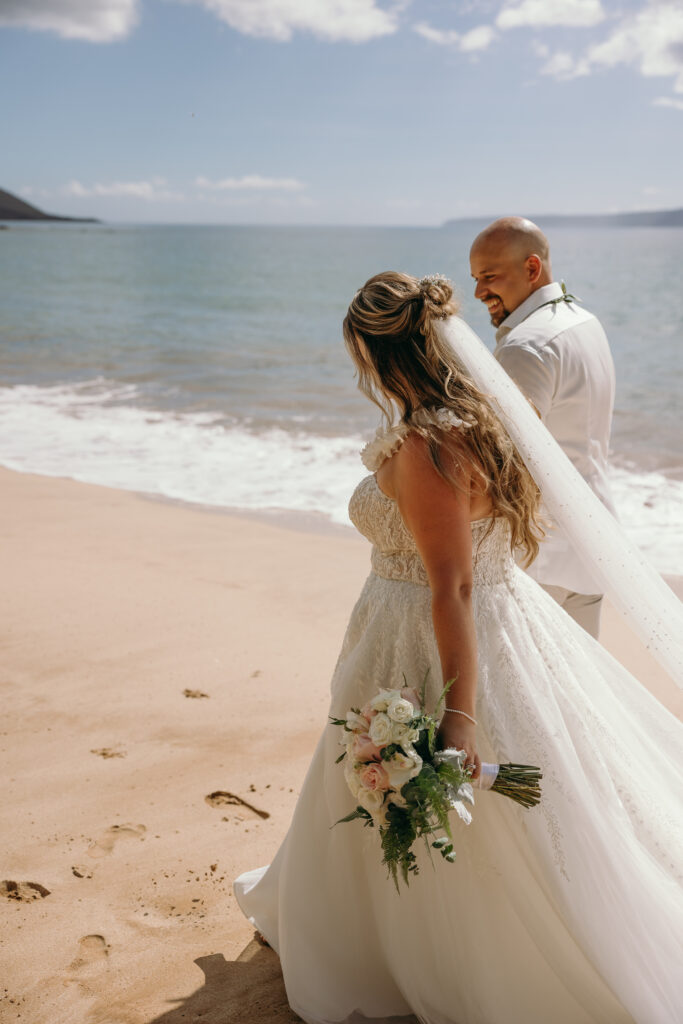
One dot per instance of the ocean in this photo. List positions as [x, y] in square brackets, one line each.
[206, 364]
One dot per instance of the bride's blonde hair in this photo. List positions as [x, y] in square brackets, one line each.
[403, 364]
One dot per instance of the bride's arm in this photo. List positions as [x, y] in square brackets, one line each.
[438, 516]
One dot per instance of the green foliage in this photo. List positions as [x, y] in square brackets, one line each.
[389, 751]
[397, 838]
[442, 697]
[427, 805]
[359, 812]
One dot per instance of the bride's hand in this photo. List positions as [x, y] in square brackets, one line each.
[456, 731]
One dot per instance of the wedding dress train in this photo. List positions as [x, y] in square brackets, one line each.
[570, 913]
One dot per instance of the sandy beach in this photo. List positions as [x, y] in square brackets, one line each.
[165, 675]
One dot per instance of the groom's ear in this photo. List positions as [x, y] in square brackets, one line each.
[534, 268]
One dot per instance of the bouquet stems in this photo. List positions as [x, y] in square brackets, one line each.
[519, 782]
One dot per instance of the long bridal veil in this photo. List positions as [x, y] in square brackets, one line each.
[632, 585]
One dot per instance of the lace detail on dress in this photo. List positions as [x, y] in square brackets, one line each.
[394, 553]
[389, 440]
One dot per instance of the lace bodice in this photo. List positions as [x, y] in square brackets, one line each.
[394, 553]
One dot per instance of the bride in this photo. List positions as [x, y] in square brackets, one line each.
[570, 913]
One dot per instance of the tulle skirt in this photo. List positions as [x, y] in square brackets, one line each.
[569, 913]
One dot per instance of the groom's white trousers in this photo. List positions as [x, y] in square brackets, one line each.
[583, 608]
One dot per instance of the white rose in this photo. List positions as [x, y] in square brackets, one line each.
[381, 729]
[373, 802]
[401, 710]
[402, 769]
[352, 780]
[405, 737]
[410, 751]
[382, 700]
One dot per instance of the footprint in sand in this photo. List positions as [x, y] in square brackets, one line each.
[107, 841]
[23, 892]
[91, 949]
[221, 798]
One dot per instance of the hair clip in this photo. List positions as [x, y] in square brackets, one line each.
[434, 279]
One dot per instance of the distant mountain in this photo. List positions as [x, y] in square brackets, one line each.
[13, 208]
[641, 219]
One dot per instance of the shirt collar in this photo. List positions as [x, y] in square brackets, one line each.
[538, 298]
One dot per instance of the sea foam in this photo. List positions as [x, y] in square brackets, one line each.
[96, 433]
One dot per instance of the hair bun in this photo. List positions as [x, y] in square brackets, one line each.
[437, 292]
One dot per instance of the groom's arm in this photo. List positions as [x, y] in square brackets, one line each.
[534, 371]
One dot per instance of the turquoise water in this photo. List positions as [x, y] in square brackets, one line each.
[207, 363]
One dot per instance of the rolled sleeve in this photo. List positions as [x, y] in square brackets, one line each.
[533, 371]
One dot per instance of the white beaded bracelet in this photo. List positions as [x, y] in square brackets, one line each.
[455, 711]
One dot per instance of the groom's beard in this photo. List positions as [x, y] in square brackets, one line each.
[501, 312]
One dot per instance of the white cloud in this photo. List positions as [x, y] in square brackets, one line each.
[155, 190]
[538, 13]
[650, 41]
[354, 21]
[442, 37]
[96, 21]
[668, 101]
[250, 183]
[478, 38]
[33, 192]
[562, 65]
[105, 21]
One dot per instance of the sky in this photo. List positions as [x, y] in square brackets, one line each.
[379, 112]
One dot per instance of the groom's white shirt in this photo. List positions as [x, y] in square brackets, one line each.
[559, 357]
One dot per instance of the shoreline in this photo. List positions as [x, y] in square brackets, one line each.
[298, 521]
[166, 677]
[322, 522]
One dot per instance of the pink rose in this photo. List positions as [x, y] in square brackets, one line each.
[409, 693]
[372, 776]
[364, 749]
[368, 712]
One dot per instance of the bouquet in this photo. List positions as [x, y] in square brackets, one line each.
[405, 787]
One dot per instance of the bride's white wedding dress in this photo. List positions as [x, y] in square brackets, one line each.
[569, 913]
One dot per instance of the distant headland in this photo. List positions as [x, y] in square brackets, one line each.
[639, 219]
[13, 208]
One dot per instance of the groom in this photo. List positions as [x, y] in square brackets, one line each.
[558, 355]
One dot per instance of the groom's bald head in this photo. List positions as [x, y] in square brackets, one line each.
[509, 260]
[514, 235]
